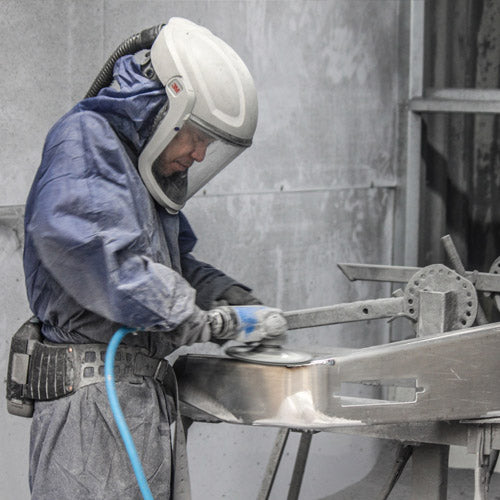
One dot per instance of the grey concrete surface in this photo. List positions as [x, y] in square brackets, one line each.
[14, 309]
[460, 482]
[317, 187]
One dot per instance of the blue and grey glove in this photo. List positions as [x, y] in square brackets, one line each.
[246, 323]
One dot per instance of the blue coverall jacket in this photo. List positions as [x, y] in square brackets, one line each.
[99, 254]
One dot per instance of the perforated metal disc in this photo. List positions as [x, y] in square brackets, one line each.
[267, 355]
[439, 278]
[495, 269]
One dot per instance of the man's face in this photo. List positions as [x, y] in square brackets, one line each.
[189, 145]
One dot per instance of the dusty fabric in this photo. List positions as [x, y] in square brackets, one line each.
[77, 453]
[101, 254]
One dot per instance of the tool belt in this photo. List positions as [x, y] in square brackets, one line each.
[42, 371]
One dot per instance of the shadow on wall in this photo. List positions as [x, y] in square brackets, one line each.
[461, 152]
[472, 216]
[472, 213]
[460, 481]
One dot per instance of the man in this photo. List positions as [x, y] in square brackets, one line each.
[107, 246]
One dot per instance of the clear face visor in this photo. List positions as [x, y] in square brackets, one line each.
[189, 161]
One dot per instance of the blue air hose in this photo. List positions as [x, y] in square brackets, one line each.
[109, 375]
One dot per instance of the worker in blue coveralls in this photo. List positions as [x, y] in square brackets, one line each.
[108, 246]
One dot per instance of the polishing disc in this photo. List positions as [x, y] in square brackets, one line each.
[268, 355]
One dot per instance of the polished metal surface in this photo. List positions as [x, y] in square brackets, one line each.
[440, 377]
[239, 392]
[439, 388]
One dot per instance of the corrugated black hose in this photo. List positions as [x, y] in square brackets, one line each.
[139, 41]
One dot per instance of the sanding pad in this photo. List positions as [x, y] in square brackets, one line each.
[268, 355]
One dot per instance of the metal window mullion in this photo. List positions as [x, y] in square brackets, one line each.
[433, 105]
[456, 100]
[414, 134]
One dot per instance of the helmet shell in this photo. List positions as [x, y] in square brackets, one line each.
[208, 84]
[225, 95]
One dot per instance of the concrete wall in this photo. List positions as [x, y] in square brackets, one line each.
[318, 187]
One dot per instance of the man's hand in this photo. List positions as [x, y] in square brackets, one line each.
[246, 323]
[236, 296]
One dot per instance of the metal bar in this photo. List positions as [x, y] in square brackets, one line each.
[404, 454]
[430, 462]
[375, 272]
[434, 105]
[480, 469]
[448, 432]
[414, 134]
[452, 252]
[273, 464]
[456, 261]
[436, 312]
[477, 95]
[492, 463]
[430, 472]
[300, 465]
[344, 313]
[483, 282]
[446, 100]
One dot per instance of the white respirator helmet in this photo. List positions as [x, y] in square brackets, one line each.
[210, 93]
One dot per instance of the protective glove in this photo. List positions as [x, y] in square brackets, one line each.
[246, 323]
[236, 296]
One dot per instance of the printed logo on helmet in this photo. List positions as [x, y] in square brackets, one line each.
[176, 87]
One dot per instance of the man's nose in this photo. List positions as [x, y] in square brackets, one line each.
[199, 152]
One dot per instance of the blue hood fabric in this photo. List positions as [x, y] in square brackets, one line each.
[99, 252]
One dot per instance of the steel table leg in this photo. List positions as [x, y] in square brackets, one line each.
[300, 465]
[430, 472]
[273, 464]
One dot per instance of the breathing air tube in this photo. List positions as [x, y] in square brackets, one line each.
[133, 44]
[109, 376]
[139, 41]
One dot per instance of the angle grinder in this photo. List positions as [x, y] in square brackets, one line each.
[270, 350]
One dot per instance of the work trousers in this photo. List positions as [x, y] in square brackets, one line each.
[76, 452]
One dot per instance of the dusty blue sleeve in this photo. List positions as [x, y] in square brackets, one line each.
[91, 224]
